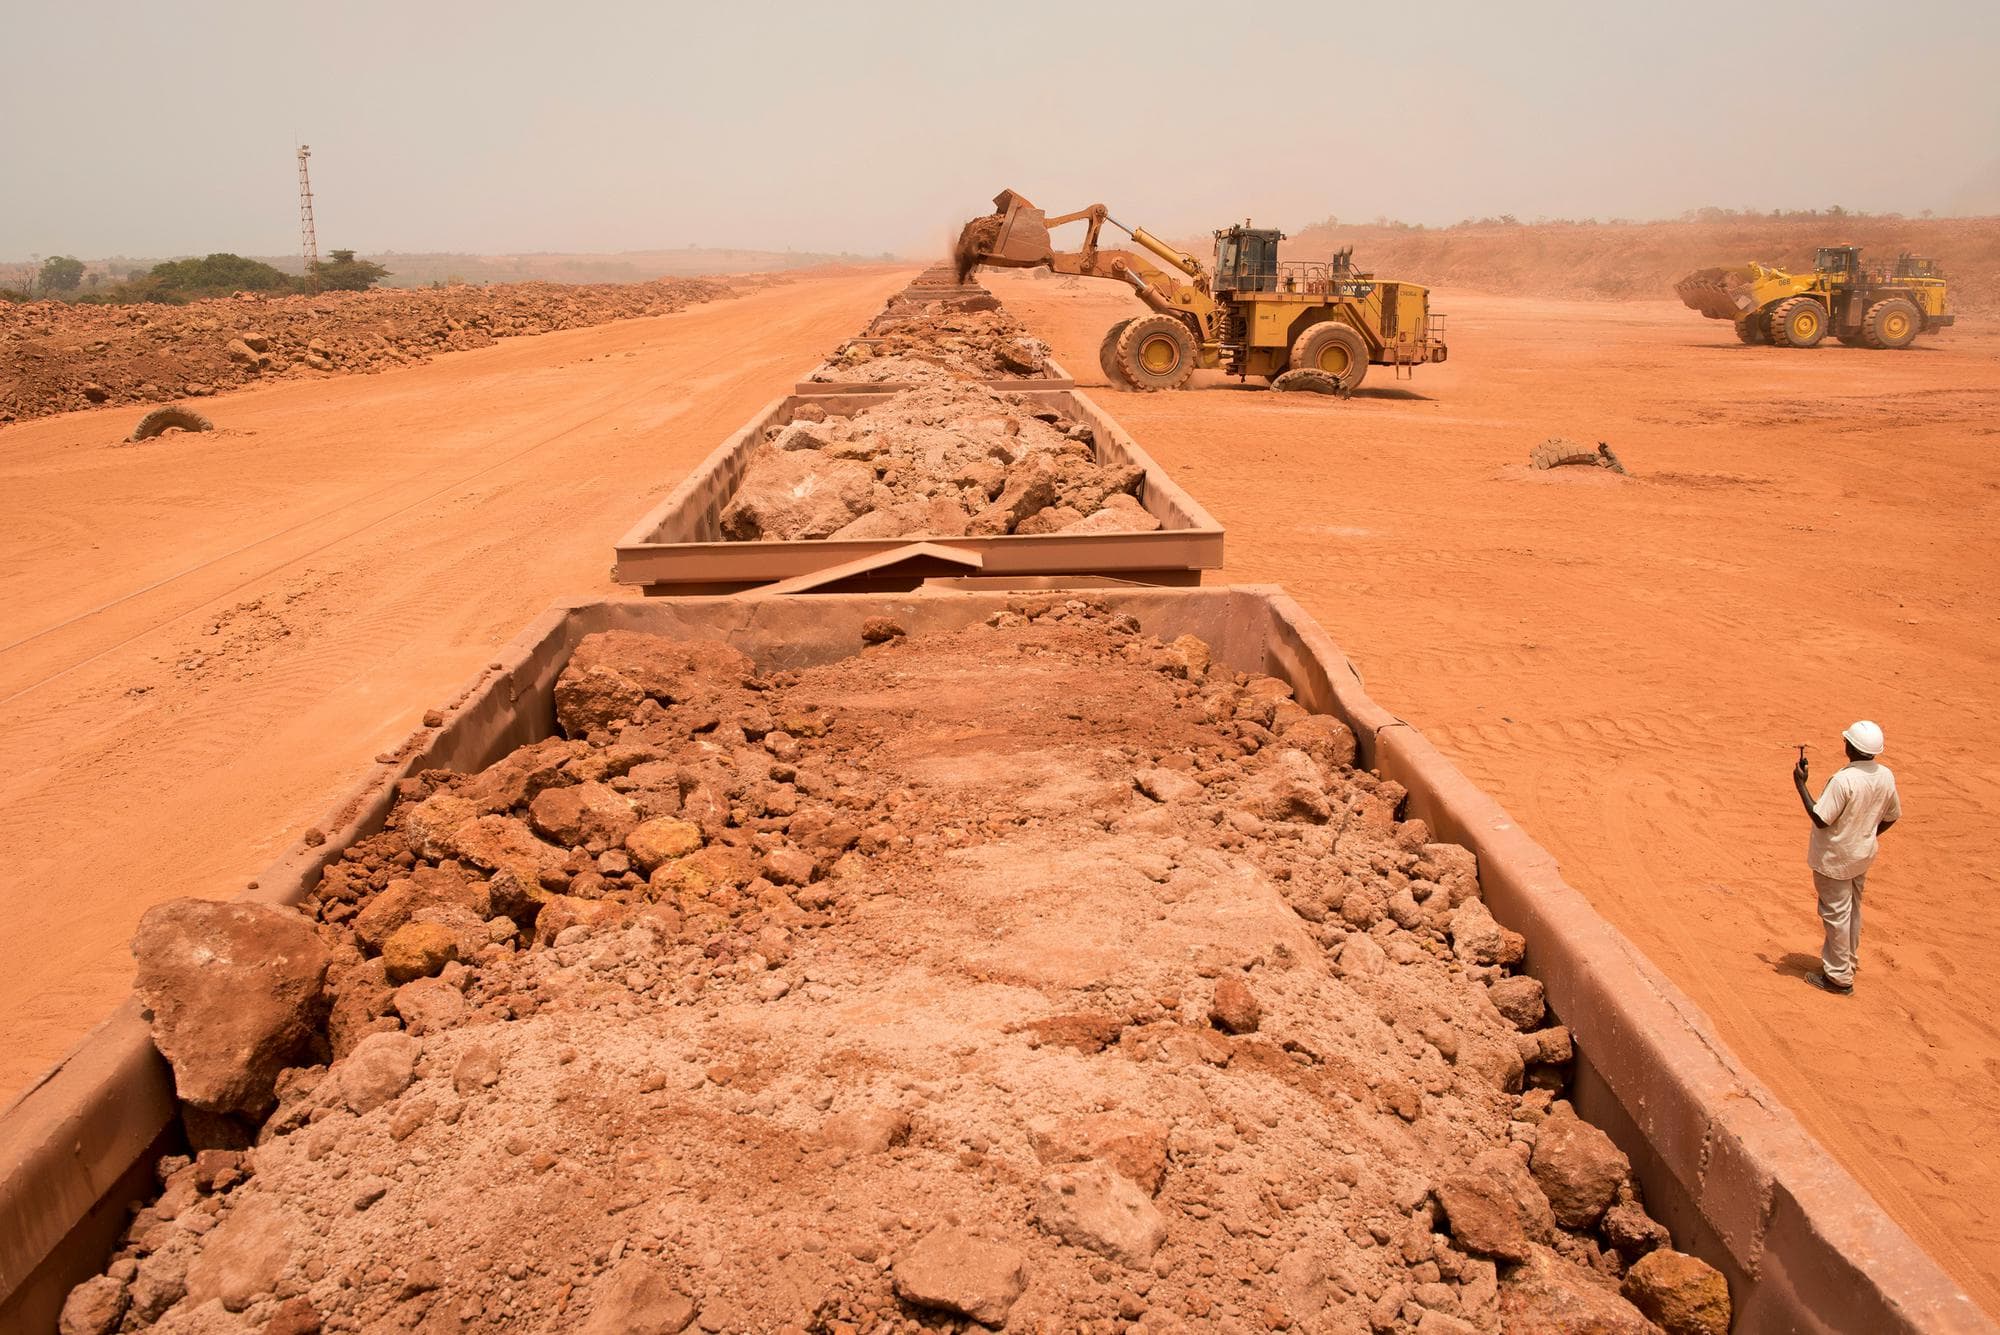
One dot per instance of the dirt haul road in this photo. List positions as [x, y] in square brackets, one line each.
[1626, 663]
[208, 637]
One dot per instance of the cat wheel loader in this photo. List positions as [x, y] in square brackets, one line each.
[1255, 315]
[1839, 297]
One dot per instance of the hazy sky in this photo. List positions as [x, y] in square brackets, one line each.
[153, 128]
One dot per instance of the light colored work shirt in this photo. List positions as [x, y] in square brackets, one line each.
[1857, 799]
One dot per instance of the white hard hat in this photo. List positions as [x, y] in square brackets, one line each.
[1865, 737]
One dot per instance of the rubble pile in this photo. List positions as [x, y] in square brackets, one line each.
[55, 356]
[1039, 975]
[917, 341]
[936, 461]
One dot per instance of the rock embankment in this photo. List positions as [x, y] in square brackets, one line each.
[1040, 975]
[55, 357]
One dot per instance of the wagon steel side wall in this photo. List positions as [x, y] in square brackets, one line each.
[1730, 1170]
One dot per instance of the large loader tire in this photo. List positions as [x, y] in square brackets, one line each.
[1798, 322]
[1107, 355]
[1156, 352]
[1893, 323]
[1750, 329]
[1334, 348]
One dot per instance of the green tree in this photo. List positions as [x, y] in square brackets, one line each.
[215, 276]
[341, 272]
[61, 273]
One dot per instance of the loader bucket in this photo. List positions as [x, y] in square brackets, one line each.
[1014, 236]
[1720, 294]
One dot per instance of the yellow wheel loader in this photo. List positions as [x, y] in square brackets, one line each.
[1839, 297]
[1257, 315]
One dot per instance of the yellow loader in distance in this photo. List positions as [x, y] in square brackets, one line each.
[1839, 297]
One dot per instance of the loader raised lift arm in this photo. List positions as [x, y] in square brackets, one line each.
[1016, 236]
[1322, 319]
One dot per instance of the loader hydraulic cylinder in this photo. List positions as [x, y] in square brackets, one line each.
[1139, 284]
[1185, 263]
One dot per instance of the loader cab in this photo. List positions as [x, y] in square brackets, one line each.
[1246, 259]
[1838, 261]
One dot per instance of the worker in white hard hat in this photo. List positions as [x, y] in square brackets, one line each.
[1856, 806]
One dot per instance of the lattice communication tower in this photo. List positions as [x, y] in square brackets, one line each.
[308, 237]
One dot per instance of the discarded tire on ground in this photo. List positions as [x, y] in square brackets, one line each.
[1561, 454]
[1309, 382]
[163, 419]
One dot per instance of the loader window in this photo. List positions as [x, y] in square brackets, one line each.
[1246, 261]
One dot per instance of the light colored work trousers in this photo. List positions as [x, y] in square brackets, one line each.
[1840, 911]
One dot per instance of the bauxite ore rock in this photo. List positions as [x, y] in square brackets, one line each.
[1577, 1168]
[1684, 1294]
[954, 1271]
[1235, 1007]
[235, 995]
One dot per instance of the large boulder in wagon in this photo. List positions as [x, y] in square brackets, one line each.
[236, 993]
[791, 494]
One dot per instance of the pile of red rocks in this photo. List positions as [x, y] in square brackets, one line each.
[1039, 975]
[56, 356]
[932, 462]
[928, 342]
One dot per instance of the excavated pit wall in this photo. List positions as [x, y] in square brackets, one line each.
[1721, 1161]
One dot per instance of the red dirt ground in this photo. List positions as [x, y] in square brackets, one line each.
[1625, 663]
